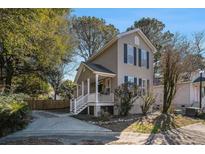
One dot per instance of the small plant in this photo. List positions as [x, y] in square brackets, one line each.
[127, 95]
[104, 115]
[148, 101]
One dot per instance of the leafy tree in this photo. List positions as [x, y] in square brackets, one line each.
[91, 33]
[32, 40]
[67, 89]
[54, 76]
[126, 94]
[30, 84]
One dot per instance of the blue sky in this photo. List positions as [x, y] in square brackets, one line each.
[184, 21]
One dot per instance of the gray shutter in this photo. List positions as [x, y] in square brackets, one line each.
[140, 82]
[125, 53]
[147, 60]
[140, 57]
[135, 56]
[135, 81]
[126, 79]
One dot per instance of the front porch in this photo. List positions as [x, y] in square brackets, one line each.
[93, 92]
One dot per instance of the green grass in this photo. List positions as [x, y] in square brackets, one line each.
[161, 123]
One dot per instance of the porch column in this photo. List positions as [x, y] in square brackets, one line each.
[110, 86]
[96, 88]
[82, 88]
[88, 82]
[96, 107]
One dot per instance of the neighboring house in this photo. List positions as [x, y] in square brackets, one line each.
[187, 94]
[128, 57]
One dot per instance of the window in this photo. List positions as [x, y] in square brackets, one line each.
[130, 54]
[142, 86]
[130, 79]
[143, 58]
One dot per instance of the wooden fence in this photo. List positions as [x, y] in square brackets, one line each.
[48, 104]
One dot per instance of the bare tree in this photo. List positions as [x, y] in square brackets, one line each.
[171, 68]
[198, 46]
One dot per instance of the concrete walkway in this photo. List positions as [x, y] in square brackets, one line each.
[47, 123]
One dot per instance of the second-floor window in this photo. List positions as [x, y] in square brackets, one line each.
[143, 58]
[130, 54]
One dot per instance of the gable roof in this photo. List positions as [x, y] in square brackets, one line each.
[98, 68]
[95, 68]
[147, 41]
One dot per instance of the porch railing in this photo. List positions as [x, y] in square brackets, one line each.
[80, 103]
[101, 97]
[106, 98]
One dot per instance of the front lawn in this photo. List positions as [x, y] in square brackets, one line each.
[152, 123]
[161, 123]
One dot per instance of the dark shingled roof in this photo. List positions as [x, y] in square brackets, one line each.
[198, 79]
[98, 68]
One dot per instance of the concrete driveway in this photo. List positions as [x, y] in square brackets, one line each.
[47, 123]
[50, 128]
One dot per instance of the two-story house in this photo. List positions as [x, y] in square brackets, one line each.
[128, 57]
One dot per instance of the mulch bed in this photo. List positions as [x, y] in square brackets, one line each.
[115, 123]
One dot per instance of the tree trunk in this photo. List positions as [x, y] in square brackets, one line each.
[55, 95]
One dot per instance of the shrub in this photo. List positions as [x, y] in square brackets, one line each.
[14, 113]
[148, 101]
[104, 115]
[126, 94]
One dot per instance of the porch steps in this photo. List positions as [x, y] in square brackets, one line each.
[81, 108]
[79, 104]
